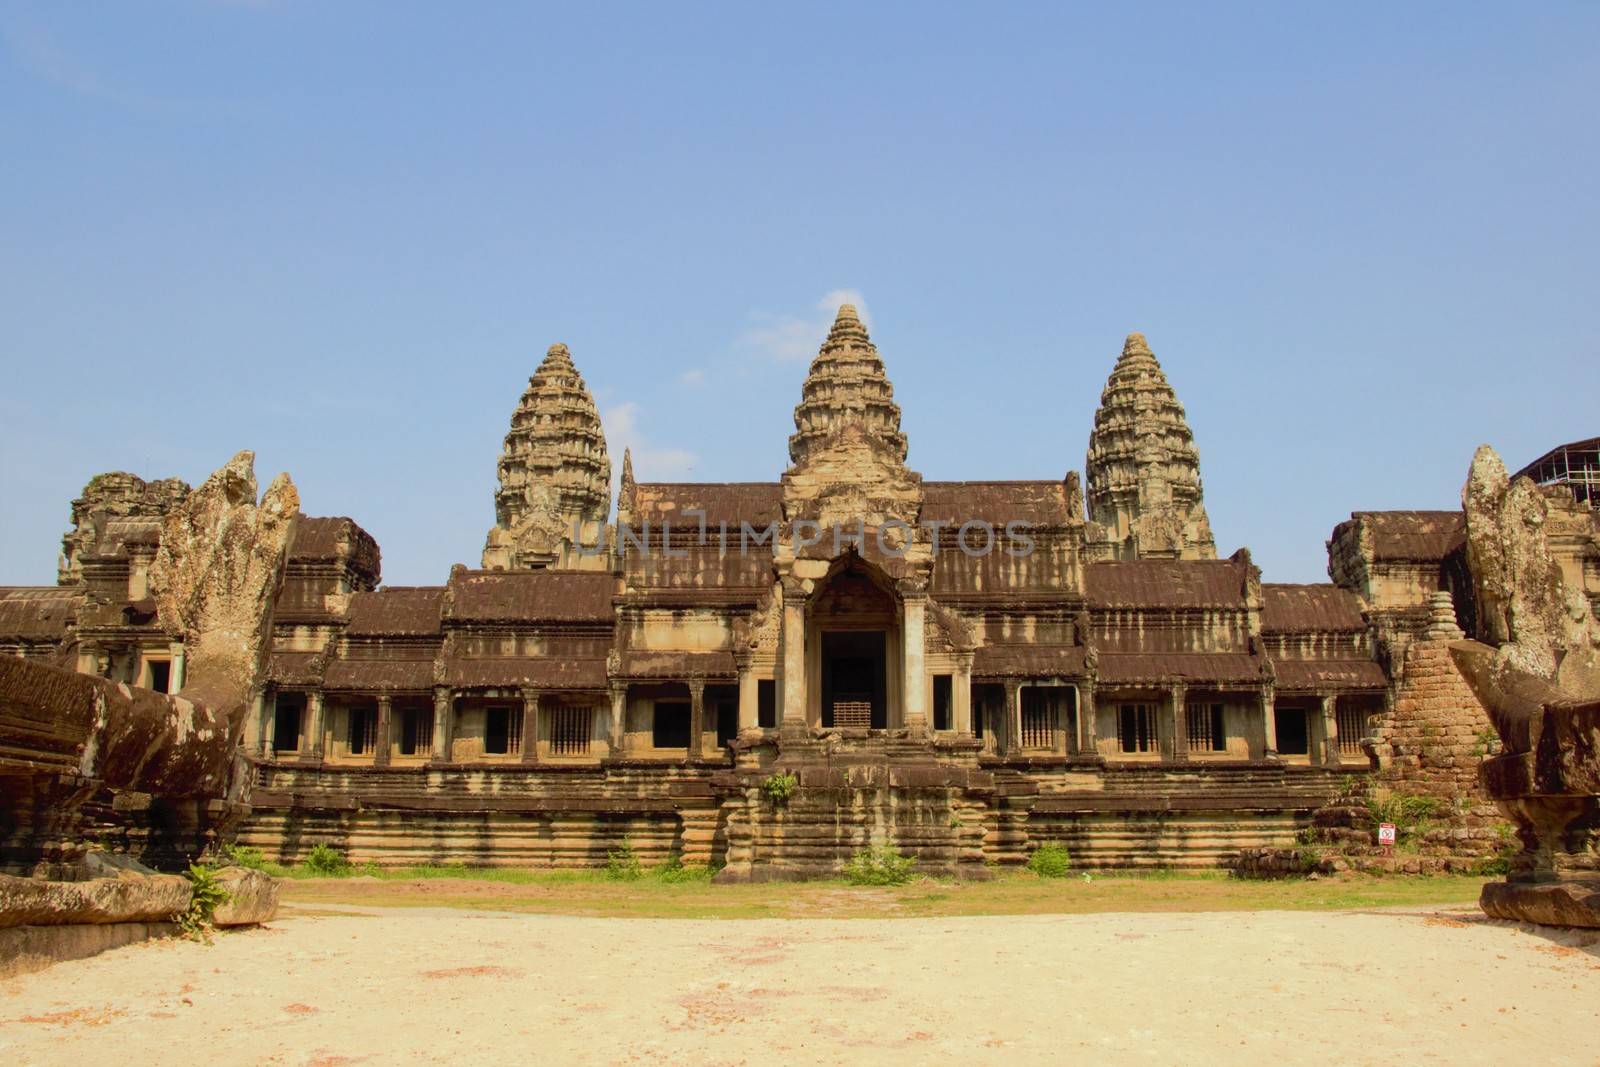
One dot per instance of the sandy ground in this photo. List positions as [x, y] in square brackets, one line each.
[377, 985]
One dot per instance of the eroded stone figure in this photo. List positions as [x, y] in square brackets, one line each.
[1539, 681]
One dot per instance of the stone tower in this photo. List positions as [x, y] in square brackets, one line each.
[1143, 468]
[555, 476]
[847, 454]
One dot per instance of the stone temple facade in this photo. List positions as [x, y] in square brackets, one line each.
[963, 670]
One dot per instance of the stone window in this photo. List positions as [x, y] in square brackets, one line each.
[1136, 728]
[416, 731]
[571, 726]
[362, 734]
[1043, 708]
[159, 674]
[670, 726]
[766, 703]
[502, 731]
[287, 709]
[942, 697]
[1294, 739]
[1204, 726]
[1352, 728]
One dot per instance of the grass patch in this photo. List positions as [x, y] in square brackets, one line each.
[663, 893]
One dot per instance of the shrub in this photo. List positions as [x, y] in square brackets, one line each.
[1409, 813]
[206, 895]
[1050, 861]
[780, 787]
[230, 855]
[622, 865]
[879, 866]
[327, 861]
[674, 870]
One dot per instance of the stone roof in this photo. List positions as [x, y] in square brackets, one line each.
[396, 611]
[1118, 668]
[846, 387]
[508, 673]
[757, 503]
[121, 533]
[530, 596]
[1037, 503]
[1410, 536]
[295, 668]
[333, 538]
[1029, 661]
[1314, 608]
[1316, 675]
[36, 613]
[380, 675]
[678, 666]
[1164, 583]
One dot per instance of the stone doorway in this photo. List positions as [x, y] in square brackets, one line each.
[855, 679]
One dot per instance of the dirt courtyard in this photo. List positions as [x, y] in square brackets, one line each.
[347, 985]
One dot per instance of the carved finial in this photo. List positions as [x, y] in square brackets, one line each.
[1135, 346]
[558, 353]
[1442, 618]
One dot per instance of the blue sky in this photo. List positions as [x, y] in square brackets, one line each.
[1362, 239]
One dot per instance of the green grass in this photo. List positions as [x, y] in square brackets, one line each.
[690, 894]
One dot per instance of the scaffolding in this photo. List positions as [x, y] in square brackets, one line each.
[1575, 466]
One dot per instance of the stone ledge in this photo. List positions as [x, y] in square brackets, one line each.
[25, 949]
[1575, 903]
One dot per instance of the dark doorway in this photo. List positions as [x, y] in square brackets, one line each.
[670, 726]
[1293, 737]
[722, 703]
[853, 675]
[286, 723]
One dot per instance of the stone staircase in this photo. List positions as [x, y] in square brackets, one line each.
[852, 794]
[1175, 816]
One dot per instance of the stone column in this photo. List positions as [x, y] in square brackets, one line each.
[1088, 728]
[961, 696]
[697, 718]
[530, 726]
[260, 700]
[618, 734]
[1269, 724]
[384, 740]
[1178, 696]
[913, 669]
[441, 724]
[1330, 730]
[89, 656]
[1064, 740]
[175, 682]
[1013, 744]
[793, 720]
[316, 743]
[749, 700]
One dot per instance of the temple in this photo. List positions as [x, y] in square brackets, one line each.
[962, 670]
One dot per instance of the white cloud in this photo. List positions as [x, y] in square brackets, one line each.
[796, 338]
[650, 464]
[693, 376]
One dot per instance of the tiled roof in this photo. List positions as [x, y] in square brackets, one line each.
[1309, 608]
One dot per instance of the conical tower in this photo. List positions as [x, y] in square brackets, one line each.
[848, 454]
[846, 387]
[555, 476]
[1143, 468]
